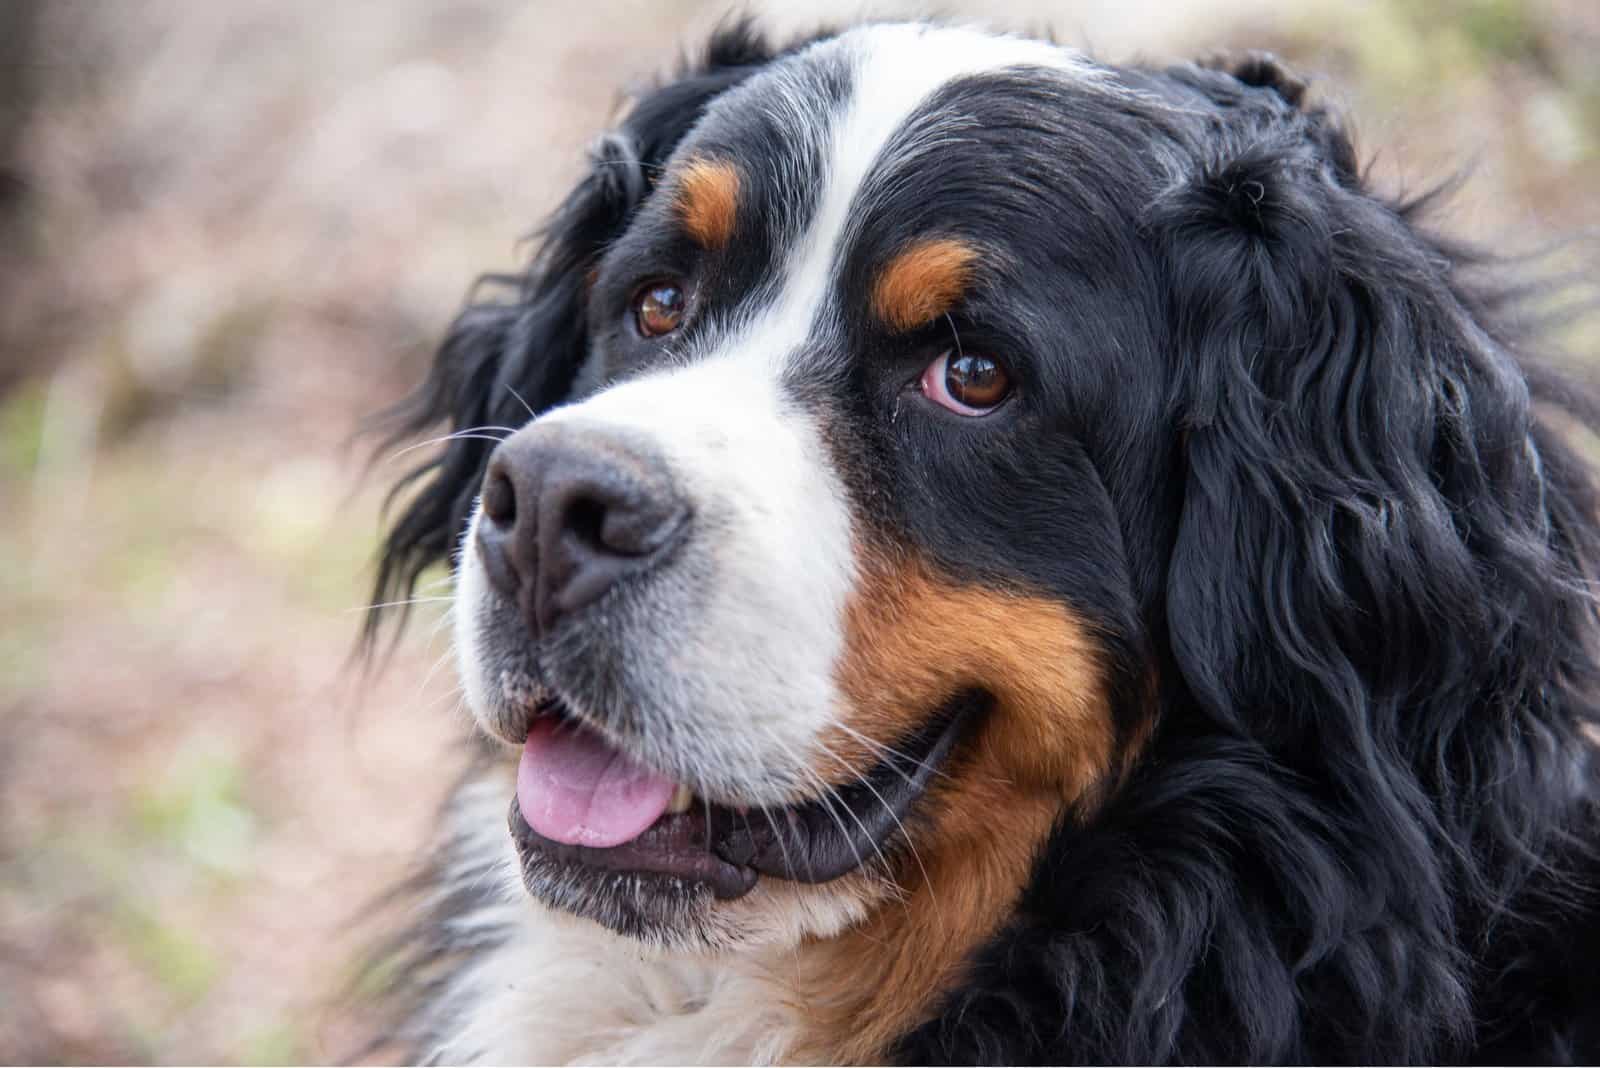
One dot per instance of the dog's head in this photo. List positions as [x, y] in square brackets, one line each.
[891, 427]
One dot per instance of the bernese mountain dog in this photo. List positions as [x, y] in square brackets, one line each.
[966, 553]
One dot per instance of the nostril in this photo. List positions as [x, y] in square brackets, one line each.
[499, 499]
[607, 521]
[611, 528]
[641, 530]
[585, 521]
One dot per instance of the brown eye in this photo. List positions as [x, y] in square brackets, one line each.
[658, 309]
[967, 384]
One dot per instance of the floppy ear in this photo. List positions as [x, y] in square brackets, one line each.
[1381, 582]
[1366, 513]
[503, 357]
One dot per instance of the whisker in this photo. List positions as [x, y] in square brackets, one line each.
[891, 754]
[788, 862]
[437, 664]
[827, 796]
[459, 435]
[396, 604]
[445, 619]
[435, 584]
[531, 413]
[458, 694]
[927, 880]
[830, 794]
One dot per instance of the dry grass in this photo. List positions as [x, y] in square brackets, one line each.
[245, 224]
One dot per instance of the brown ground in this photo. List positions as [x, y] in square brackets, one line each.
[240, 227]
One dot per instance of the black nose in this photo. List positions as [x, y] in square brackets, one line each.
[567, 512]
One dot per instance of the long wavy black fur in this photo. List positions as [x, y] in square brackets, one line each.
[1364, 828]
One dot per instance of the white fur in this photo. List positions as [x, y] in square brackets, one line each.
[560, 993]
[472, 587]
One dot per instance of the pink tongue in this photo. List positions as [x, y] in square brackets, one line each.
[574, 788]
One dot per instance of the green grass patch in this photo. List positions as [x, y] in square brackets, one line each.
[199, 807]
[184, 966]
[1496, 29]
[22, 428]
[279, 1043]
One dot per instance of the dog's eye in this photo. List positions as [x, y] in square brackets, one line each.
[965, 383]
[658, 309]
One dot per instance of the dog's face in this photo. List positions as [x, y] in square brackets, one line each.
[827, 567]
[1042, 543]
[821, 556]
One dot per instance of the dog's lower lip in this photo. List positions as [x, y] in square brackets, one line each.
[676, 846]
[728, 849]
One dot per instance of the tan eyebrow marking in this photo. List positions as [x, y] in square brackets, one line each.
[708, 201]
[922, 281]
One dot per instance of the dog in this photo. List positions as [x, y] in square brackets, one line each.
[968, 554]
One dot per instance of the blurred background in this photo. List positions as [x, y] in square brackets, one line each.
[228, 232]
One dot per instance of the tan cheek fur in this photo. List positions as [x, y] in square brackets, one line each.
[922, 282]
[708, 201]
[915, 640]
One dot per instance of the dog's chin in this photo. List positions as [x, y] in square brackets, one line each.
[659, 910]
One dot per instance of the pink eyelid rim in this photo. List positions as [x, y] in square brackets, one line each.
[934, 389]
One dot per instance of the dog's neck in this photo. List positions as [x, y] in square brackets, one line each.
[563, 991]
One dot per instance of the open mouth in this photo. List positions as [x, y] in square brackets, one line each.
[583, 801]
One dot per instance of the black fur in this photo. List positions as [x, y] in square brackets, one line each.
[1365, 830]
[1349, 547]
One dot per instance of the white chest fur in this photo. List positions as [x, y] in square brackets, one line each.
[566, 992]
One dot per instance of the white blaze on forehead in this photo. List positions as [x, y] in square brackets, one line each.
[894, 70]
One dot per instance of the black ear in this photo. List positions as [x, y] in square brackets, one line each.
[1380, 585]
[1260, 99]
[1261, 70]
[523, 350]
[1367, 510]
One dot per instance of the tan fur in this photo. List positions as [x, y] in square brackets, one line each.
[922, 282]
[708, 201]
[915, 640]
